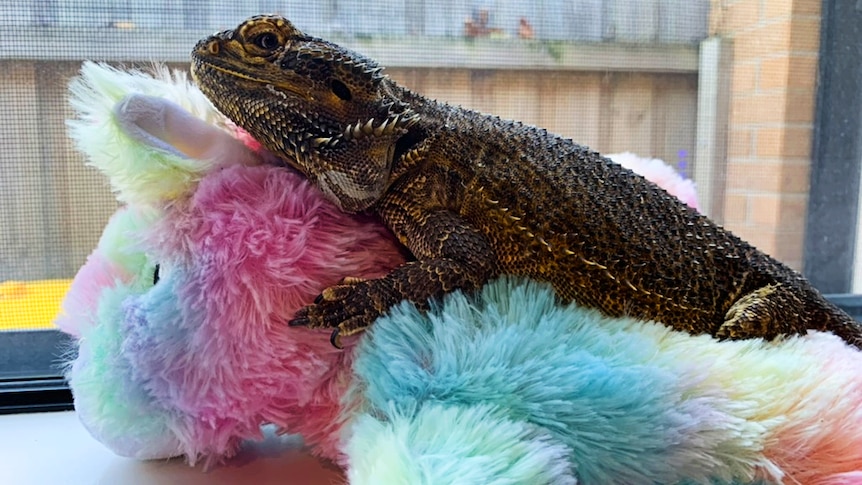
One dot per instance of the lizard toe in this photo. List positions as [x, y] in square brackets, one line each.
[298, 322]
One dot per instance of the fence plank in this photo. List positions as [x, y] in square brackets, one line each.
[571, 106]
[22, 243]
[627, 21]
[675, 121]
[712, 115]
[630, 113]
[682, 21]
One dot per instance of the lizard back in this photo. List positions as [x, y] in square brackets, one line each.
[601, 234]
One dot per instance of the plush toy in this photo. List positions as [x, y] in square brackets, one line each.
[660, 174]
[183, 349]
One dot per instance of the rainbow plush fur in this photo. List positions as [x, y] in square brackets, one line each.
[505, 386]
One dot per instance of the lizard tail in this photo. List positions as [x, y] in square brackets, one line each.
[841, 324]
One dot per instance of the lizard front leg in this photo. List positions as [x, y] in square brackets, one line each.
[766, 312]
[450, 253]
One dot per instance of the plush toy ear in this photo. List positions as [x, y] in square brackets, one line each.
[164, 125]
[153, 145]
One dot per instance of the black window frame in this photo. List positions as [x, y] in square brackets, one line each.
[836, 160]
[31, 371]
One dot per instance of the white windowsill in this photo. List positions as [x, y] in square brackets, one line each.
[54, 448]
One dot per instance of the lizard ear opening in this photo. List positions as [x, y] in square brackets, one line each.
[341, 90]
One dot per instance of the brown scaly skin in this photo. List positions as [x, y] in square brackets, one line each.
[474, 196]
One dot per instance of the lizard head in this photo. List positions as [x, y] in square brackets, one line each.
[326, 111]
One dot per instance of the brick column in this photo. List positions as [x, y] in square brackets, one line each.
[775, 47]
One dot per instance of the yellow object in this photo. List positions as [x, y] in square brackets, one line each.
[31, 305]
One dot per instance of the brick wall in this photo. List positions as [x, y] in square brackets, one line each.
[775, 46]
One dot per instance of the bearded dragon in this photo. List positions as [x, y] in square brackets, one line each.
[473, 196]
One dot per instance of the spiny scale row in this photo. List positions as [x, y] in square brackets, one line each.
[360, 130]
[386, 127]
[355, 63]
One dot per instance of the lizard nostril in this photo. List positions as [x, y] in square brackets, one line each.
[213, 47]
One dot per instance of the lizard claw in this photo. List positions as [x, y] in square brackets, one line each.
[300, 318]
[335, 339]
[298, 322]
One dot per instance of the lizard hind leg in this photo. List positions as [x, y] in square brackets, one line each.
[766, 312]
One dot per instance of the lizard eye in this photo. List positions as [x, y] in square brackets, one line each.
[266, 41]
[341, 90]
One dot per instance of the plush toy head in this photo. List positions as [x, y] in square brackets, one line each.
[180, 315]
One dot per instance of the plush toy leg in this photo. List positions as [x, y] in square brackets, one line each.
[560, 369]
[454, 444]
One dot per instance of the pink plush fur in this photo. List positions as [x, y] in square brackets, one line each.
[819, 440]
[268, 244]
[661, 174]
[78, 307]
